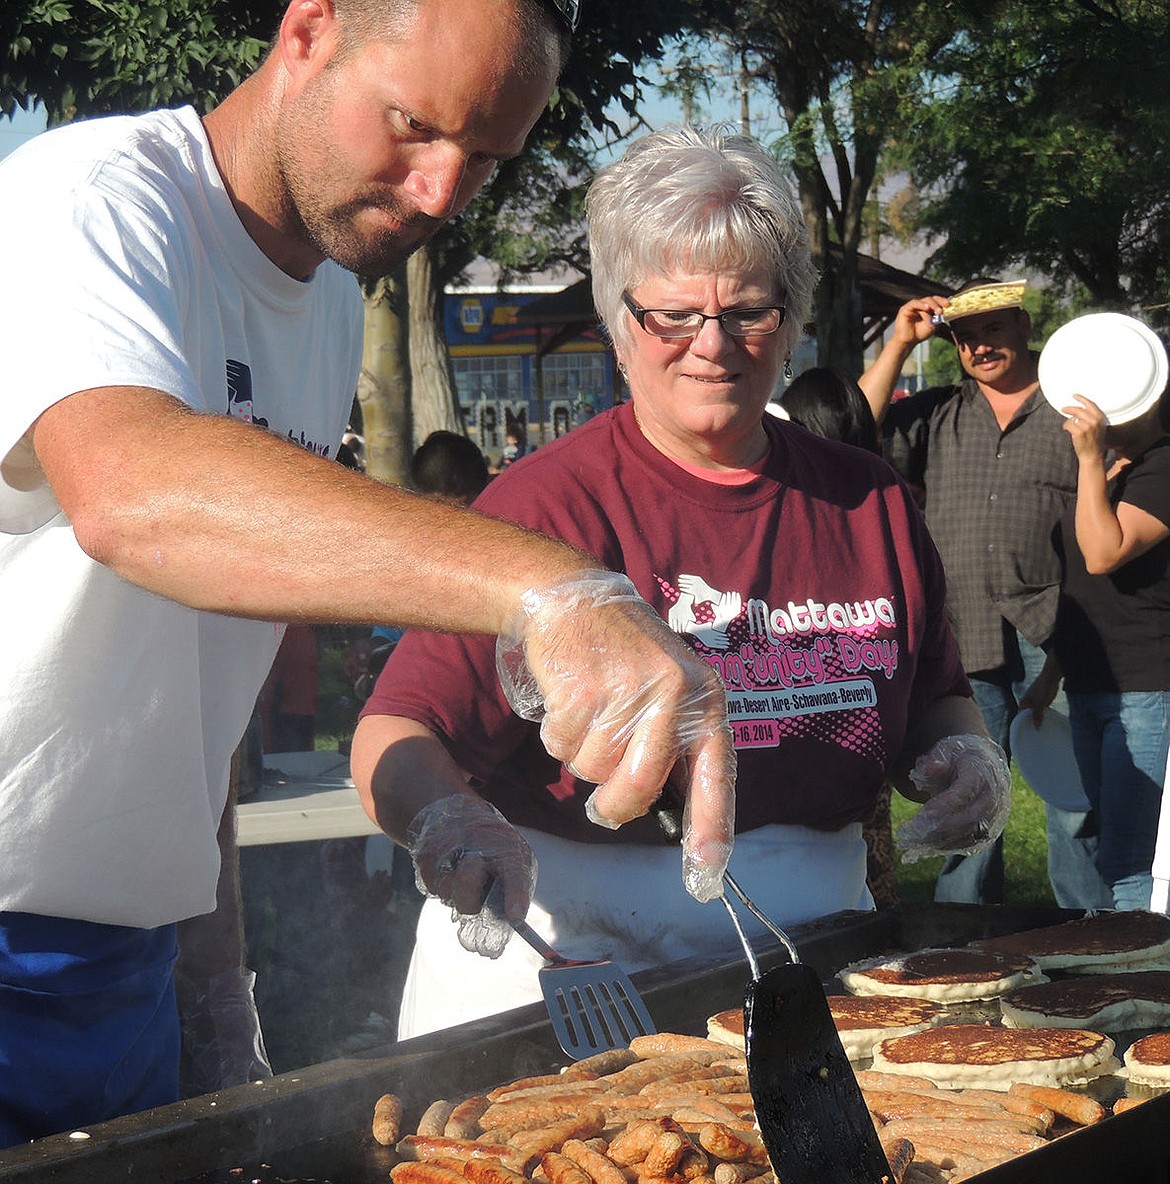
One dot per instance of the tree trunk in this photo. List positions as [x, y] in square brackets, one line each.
[384, 384]
[434, 402]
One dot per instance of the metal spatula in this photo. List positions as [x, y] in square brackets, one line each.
[593, 1006]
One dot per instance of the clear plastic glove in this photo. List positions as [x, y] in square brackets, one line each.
[472, 858]
[969, 785]
[222, 1041]
[622, 700]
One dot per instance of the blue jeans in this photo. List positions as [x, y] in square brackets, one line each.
[1120, 741]
[1072, 838]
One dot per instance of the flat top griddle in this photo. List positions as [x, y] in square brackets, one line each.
[313, 1125]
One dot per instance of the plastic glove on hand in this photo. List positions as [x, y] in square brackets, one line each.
[969, 784]
[469, 856]
[621, 700]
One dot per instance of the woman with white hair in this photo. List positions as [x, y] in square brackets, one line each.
[800, 569]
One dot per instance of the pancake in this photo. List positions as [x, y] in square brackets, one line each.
[958, 1056]
[1105, 1003]
[861, 1021]
[1147, 1061]
[727, 1028]
[943, 976]
[864, 1020]
[1111, 939]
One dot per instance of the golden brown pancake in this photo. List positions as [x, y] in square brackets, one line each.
[1110, 939]
[1147, 1061]
[971, 1055]
[1105, 1003]
[727, 1027]
[944, 975]
[864, 1020]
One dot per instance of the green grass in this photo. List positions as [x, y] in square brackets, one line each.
[1025, 852]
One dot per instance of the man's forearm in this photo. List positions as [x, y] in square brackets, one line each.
[228, 518]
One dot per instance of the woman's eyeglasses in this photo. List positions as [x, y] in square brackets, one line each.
[671, 323]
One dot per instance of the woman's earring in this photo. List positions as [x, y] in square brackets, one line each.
[788, 368]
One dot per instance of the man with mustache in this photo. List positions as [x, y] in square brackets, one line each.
[991, 456]
[179, 347]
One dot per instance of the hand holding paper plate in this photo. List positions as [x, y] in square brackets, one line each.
[1113, 359]
[1044, 756]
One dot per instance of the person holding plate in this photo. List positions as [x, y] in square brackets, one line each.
[1114, 617]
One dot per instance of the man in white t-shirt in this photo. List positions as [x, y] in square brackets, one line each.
[179, 345]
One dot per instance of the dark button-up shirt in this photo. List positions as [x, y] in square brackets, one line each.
[994, 499]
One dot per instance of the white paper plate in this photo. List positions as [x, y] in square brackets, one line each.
[1115, 360]
[1045, 758]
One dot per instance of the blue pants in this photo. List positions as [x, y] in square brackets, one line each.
[1120, 741]
[1072, 835]
[89, 1029]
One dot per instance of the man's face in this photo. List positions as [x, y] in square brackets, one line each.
[379, 146]
[993, 347]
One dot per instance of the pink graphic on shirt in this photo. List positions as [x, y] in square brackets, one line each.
[807, 669]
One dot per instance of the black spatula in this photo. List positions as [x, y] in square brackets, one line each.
[809, 1107]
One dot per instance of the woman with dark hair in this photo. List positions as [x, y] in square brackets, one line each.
[826, 402]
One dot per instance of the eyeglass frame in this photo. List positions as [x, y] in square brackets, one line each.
[569, 11]
[639, 314]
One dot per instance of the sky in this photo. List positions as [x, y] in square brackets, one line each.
[22, 126]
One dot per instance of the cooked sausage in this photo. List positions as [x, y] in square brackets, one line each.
[387, 1124]
[463, 1121]
[526, 1114]
[1124, 1104]
[423, 1147]
[1080, 1108]
[434, 1119]
[876, 1079]
[631, 1079]
[484, 1171]
[733, 1146]
[664, 1043]
[665, 1153]
[632, 1145]
[414, 1172]
[737, 1173]
[601, 1063]
[560, 1169]
[598, 1167]
[969, 1137]
[589, 1121]
[899, 1155]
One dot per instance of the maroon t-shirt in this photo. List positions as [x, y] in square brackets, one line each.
[814, 590]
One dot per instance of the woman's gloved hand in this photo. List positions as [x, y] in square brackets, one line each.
[622, 700]
[472, 858]
[969, 784]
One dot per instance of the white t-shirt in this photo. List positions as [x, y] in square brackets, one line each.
[124, 264]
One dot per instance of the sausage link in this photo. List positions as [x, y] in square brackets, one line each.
[463, 1122]
[665, 1153]
[560, 1169]
[414, 1172]
[1079, 1108]
[484, 1171]
[424, 1147]
[596, 1165]
[633, 1144]
[525, 1114]
[387, 1124]
[589, 1121]
[664, 1043]
[434, 1119]
[734, 1146]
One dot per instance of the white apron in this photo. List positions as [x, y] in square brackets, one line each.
[628, 904]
